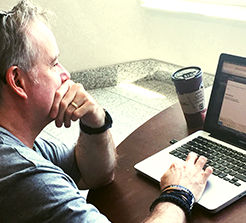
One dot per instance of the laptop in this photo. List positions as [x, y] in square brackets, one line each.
[222, 140]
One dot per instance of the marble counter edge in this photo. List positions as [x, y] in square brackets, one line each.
[129, 72]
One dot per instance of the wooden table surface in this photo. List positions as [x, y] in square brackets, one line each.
[128, 198]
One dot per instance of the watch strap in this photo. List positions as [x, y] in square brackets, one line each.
[93, 131]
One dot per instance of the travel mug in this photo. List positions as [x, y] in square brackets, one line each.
[190, 90]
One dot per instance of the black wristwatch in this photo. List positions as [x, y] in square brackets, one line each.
[93, 131]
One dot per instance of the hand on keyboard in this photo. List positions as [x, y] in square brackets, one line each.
[189, 174]
[227, 163]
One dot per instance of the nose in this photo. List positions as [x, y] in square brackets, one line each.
[65, 75]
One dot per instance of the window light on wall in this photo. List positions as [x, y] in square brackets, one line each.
[222, 2]
[231, 9]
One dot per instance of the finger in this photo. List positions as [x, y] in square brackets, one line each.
[63, 109]
[57, 99]
[66, 108]
[73, 113]
[75, 109]
[191, 158]
[207, 172]
[78, 113]
[74, 104]
[71, 108]
[201, 161]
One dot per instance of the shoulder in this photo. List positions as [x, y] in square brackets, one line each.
[51, 150]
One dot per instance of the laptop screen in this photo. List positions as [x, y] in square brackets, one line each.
[226, 115]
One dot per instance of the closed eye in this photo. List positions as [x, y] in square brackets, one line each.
[55, 61]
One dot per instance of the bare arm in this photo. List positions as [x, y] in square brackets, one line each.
[96, 158]
[167, 212]
[95, 154]
[188, 174]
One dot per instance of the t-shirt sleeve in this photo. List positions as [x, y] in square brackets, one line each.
[61, 156]
[43, 194]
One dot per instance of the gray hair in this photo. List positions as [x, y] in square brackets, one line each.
[16, 49]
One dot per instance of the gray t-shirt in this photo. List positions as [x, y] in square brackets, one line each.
[39, 185]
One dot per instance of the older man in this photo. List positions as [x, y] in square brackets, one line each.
[39, 180]
[37, 177]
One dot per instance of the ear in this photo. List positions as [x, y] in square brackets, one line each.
[15, 80]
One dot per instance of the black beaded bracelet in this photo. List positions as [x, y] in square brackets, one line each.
[178, 195]
[92, 131]
[186, 193]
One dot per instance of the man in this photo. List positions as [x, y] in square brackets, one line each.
[39, 180]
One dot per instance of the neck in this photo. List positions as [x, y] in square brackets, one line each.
[22, 124]
[21, 116]
[27, 139]
[19, 128]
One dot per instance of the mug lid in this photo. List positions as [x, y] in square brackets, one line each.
[187, 73]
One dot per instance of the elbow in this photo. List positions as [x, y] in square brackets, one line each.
[97, 182]
[109, 175]
[106, 180]
[110, 178]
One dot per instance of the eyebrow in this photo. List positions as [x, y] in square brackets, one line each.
[55, 58]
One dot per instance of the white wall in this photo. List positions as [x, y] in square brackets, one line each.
[186, 39]
[92, 33]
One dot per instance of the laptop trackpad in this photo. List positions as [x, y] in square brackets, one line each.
[224, 192]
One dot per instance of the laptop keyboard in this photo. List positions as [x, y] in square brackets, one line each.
[227, 163]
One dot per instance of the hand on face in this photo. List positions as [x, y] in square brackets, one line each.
[189, 174]
[88, 110]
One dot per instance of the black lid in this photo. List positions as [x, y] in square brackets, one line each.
[187, 73]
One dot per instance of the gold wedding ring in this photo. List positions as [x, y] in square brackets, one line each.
[74, 104]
